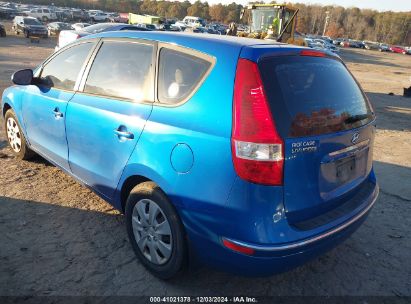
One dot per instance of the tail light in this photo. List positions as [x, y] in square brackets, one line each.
[257, 147]
[312, 53]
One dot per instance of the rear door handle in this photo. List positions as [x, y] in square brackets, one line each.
[57, 113]
[122, 132]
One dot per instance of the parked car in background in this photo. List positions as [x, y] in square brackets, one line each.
[215, 29]
[99, 17]
[55, 28]
[345, 43]
[197, 29]
[355, 44]
[337, 41]
[150, 27]
[2, 30]
[42, 14]
[29, 26]
[63, 15]
[67, 37]
[327, 39]
[398, 49]
[371, 46]
[169, 28]
[320, 44]
[326, 45]
[121, 18]
[7, 12]
[79, 26]
[383, 47]
[249, 156]
[79, 16]
[112, 17]
[192, 21]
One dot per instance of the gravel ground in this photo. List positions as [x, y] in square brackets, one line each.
[58, 238]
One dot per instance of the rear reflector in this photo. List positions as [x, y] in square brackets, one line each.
[312, 53]
[256, 145]
[238, 248]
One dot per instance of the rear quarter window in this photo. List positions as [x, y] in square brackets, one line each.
[313, 96]
[180, 74]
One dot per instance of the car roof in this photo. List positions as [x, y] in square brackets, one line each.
[183, 38]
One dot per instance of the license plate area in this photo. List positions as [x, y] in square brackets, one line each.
[345, 169]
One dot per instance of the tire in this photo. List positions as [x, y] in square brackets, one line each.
[15, 137]
[171, 259]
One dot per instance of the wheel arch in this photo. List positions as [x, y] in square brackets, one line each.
[6, 107]
[128, 185]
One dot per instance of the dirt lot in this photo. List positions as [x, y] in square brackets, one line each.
[58, 238]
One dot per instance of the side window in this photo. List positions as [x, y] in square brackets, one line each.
[124, 70]
[62, 71]
[179, 75]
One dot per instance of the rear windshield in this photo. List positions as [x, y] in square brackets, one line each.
[313, 96]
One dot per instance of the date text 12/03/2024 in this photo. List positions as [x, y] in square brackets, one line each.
[187, 299]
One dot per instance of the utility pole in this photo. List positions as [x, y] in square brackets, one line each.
[327, 20]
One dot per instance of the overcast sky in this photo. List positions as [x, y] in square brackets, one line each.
[380, 5]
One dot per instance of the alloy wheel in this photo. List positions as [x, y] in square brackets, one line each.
[13, 134]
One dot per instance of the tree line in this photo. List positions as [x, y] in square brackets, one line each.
[360, 24]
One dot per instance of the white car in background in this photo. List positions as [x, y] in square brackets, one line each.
[69, 36]
[79, 26]
[99, 17]
[42, 14]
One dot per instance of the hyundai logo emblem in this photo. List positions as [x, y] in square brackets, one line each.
[355, 137]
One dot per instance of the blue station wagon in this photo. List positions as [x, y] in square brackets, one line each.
[246, 155]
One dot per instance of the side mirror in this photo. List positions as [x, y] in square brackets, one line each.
[22, 77]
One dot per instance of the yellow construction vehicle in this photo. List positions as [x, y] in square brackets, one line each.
[271, 21]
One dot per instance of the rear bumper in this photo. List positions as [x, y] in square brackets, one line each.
[227, 260]
[280, 254]
[317, 238]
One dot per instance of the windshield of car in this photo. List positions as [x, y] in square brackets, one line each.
[97, 28]
[30, 21]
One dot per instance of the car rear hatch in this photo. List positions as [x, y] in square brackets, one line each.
[324, 119]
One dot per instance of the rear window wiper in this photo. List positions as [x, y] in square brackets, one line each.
[355, 118]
